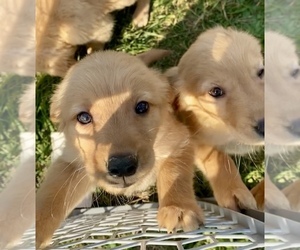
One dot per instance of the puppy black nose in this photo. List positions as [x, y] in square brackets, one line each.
[122, 165]
[294, 128]
[260, 127]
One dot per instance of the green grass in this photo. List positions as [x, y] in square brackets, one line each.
[283, 16]
[45, 86]
[11, 87]
[173, 25]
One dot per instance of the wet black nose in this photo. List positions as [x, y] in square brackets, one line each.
[122, 165]
[260, 127]
[294, 128]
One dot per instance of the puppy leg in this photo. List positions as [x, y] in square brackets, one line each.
[269, 196]
[259, 194]
[221, 172]
[141, 13]
[64, 187]
[178, 207]
[292, 194]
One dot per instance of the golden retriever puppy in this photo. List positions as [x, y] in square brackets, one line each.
[62, 25]
[282, 93]
[282, 116]
[120, 135]
[221, 100]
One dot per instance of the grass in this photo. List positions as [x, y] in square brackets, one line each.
[11, 87]
[173, 25]
[283, 16]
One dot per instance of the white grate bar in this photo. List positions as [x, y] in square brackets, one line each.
[135, 227]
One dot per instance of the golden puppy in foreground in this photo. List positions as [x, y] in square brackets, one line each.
[219, 81]
[120, 135]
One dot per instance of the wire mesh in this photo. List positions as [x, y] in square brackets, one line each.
[135, 227]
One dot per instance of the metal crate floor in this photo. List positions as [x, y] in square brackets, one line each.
[135, 227]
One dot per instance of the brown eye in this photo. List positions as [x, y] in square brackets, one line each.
[142, 107]
[84, 118]
[261, 73]
[216, 92]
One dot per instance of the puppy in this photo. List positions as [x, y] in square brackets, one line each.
[220, 99]
[282, 96]
[121, 135]
[63, 25]
[282, 116]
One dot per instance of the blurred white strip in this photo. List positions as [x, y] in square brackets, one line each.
[17, 43]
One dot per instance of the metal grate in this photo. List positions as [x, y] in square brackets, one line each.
[281, 232]
[135, 227]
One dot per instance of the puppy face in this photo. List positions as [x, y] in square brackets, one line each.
[222, 83]
[282, 93]
[110, 107]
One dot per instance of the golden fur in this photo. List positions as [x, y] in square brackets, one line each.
[282, 117]
[230, 60]
[282, 93]
[61, 25]
[292, 194]
[108, 85]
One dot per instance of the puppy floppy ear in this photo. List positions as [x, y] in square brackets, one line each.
[172, 76]
[55, 108]
[153, 55]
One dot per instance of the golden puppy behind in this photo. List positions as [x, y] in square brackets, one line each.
[221, 100]
[282, 119]
[62, 25]
[120, 135]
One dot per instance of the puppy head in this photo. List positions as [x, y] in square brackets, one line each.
[282, 92]
[222, 83]
[110, 107]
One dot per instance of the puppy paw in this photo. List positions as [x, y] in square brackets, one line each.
[292, 194]
[236, 198]
[140, 19]
[175, 217]
[259, 195]
[244, 198]
[42, 243]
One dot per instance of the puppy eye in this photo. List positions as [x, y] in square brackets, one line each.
[142, 107]
[84, 118]
[216, 92]
[295, 73]
[261, 73]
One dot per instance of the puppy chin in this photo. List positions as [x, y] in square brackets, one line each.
[236, 148]
[117, 185]
[276, 149]
[243, 145]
